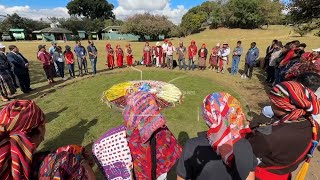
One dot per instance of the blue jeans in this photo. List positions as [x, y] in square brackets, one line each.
[94, 65]
[235, 65]
[191, 64]
[71, 70]
[60, 66]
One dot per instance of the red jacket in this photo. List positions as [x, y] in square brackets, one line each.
[69, 57]
[192, 51]
[45, 57]
[288, 57]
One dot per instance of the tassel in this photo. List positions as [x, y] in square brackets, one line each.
[303, 171]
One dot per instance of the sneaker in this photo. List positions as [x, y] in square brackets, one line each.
[64, 78]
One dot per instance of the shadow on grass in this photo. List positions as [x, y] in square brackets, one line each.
[183, 138]
[53, 115]
[72, 135]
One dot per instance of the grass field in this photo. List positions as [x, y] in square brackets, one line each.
[76, 115]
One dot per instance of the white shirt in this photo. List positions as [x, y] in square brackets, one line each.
[224, 53]
[170, 50]
[273, 57]
[164, 47]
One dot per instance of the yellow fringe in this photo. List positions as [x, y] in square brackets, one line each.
[303, 171]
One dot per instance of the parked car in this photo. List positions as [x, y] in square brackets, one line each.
[6, 37]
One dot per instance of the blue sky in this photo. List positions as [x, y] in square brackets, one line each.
[38, 4]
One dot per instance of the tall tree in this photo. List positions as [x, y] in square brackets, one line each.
[245, 14]
[147, 25]
[92, 9]
[304, 10]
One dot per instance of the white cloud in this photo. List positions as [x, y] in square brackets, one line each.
[36, 14]
[143, 4]
[162, 7]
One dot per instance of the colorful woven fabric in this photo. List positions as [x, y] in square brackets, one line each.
[62, 165]
[17, 119]
[300, 68]
[166, 94]
[295, 99]
[112, 154]
[224, 115]
[143, 120]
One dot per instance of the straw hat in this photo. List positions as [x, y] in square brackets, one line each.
[158, 44]
[2, 46]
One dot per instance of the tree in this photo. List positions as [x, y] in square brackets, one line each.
[147, 25]
[113, 22]
[15, 21]
[274, 13]
[304, 11]
[245, 14]
[92, 9]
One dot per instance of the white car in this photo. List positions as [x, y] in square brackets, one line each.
[6, 37]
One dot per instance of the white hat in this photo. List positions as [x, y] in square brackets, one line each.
[2, 46]
[218, 44]
[316, 50]
[158, 44]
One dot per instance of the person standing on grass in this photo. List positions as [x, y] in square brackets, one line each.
[181, 52]
[47, 63]
[213, 61]
[269, 51]
[202, 54]
[52, 49]
[223, 57]
[169, 51]
[158, 54]
[272, 63]
[129, 55]
[164, 52]
[192, 51]
[119, 54]
[110, 56]
[81, 54]
[93, 56]
[251, 57]
[147, 50]
[293, 46]
[20, 67]
[68, 55]
[7, 86]
[58, 58]
[236, 55]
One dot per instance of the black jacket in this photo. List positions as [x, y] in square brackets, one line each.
[18, 64]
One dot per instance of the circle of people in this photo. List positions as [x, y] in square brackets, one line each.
[269, 147]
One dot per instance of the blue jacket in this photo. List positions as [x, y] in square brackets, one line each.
[252, 56]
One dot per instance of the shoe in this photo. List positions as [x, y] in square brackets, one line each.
[64, 78]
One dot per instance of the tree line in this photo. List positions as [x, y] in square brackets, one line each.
[246, 14]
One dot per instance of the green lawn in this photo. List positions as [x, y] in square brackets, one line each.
[76, 114]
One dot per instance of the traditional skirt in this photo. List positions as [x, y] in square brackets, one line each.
[7, 87]
[213, 60]
[202, 61]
